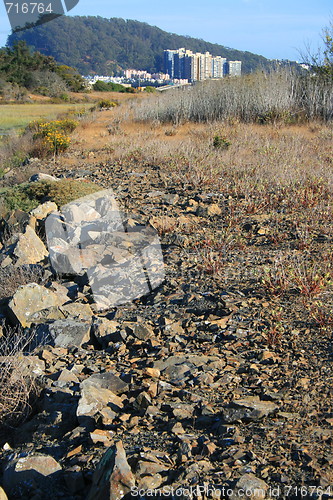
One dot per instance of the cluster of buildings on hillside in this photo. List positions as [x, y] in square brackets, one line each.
[133, 78]
[184, 64]
[181, 67]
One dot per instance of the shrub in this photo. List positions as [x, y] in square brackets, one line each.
[17, 383]
[16, 198]
[26, 197]
[106, 104]
[53, 135]
[61, 192]
[220, 142]
[150, 89]
[11, 277]
[67, 190]
[42, 128]
[57, 142]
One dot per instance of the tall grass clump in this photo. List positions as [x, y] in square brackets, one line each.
[18, 385]
[264, 97]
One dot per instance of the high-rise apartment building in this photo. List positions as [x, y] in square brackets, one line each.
[184, 64]
[234, 68]
[218, 67]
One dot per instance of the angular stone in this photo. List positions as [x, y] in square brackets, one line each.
[214, 209]
[258, 408]
[43, 210]
[14, 222]
[67, 377]
[76, 310]
[69, 332]
[208, 211]
[104, 329]
[93, 400]
[106, 380]
[34, 468]
[251, 487]
[61, 291]
[32, 365]
[46, 315]
[29, 299]
[178, 374]
[139, 330]
[143, 400]
[151, 372]
[113, 478]
[29, 248]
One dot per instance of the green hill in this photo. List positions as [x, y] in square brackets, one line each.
[103, 46]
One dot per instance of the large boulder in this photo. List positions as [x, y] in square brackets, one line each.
[28, 300]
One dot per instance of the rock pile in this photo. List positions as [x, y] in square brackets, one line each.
[176, 390]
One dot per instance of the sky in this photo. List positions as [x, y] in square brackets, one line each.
[276, 29]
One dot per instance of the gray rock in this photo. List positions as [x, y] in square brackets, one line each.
[249, 409]
[29, 248]
[106, 380]
[141, 332]
[69, 332]
[29, 299]
[76, 310]
[258, 408]
[178, 374]
[113, 478]
[251, 487]
[99, 395]
[42, 177]
[93, 400]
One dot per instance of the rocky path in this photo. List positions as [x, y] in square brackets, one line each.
[179, 392]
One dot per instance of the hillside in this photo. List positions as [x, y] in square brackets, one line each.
[103, 46]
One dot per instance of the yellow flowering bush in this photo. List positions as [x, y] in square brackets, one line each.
[52, 135]
[57, 141]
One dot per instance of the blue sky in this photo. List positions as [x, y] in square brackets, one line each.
[273, 28]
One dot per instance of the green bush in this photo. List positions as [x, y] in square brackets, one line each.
[16, 198]
[101, 86]
[150, 89]
[220, 142]
[26, 197]
[105, 103]
[67, 190]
